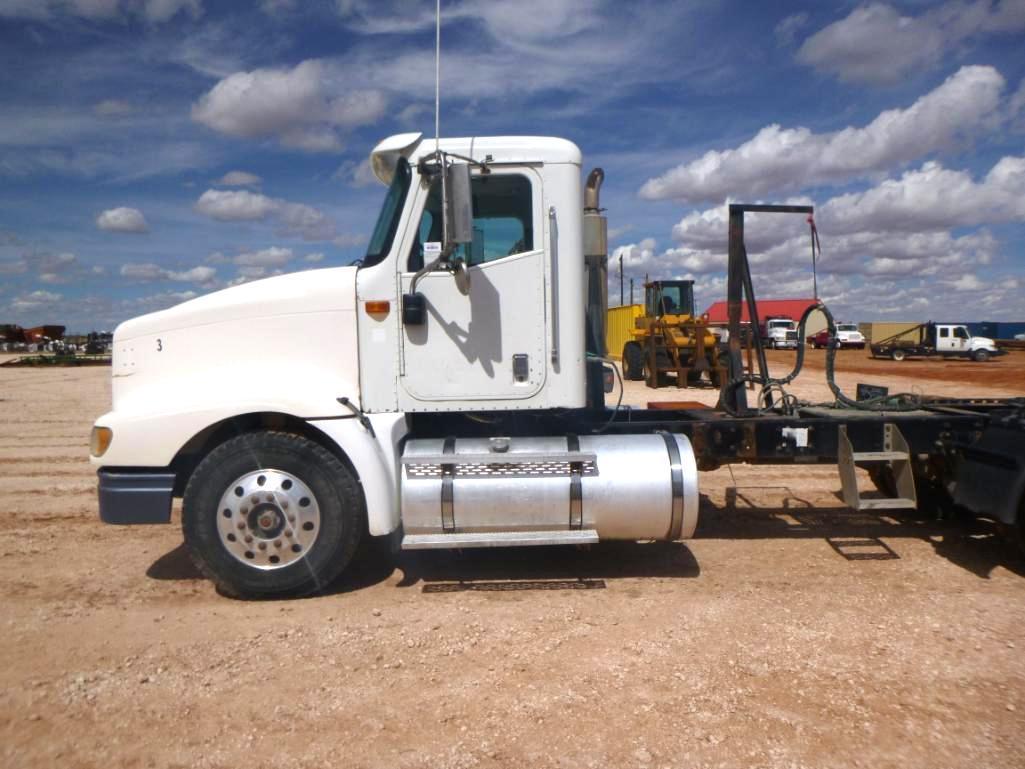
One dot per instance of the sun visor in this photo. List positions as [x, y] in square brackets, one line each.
[386, 154]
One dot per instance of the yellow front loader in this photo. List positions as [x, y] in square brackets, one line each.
[670, 344]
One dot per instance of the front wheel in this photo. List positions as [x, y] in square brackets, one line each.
[980, 356]
[271, 514]
[633, 362]
[898, 355]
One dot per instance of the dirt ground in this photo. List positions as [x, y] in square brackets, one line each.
[791, 632]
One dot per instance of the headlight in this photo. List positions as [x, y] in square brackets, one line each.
[100, 440]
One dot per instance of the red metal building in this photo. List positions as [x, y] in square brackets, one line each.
[786, 308]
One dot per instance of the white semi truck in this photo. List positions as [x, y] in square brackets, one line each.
[447, 392]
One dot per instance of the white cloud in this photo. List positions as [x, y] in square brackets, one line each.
[274, 256]
[779, 158]
[875, 43]
[123, 219]
[154, 11]
[967, 282]
[314, 258]
[201, 274]
[236, 205]
[36, 300]
[523, 22]
[302, 107]
[786, 31]
[239, 179]
[356, 174]
[147, 271]
[349, 240]
[933, 198]
[244, 206]
[49, 267]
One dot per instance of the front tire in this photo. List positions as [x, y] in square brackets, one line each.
[633, 362]
[980, 356]
[271, 515]
[898, 355]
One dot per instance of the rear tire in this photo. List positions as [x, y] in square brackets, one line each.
[898, 355]
[300, 511]
[633, 362]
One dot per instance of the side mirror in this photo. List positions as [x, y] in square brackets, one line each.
[458, 205]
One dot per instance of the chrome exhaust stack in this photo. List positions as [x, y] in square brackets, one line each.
[596, 261]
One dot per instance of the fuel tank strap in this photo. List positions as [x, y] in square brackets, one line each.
[576, 497]
[676, 479]
[448, 472]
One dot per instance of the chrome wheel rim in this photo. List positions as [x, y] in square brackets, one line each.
[268, 519]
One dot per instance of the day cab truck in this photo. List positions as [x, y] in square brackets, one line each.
[780, 332]
[944, 340]
[847, 335]
[449, 392]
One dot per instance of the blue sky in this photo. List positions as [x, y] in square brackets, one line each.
[154, 150]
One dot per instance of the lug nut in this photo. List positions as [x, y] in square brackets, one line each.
[263, 545]
[241, 525]
[277, 543]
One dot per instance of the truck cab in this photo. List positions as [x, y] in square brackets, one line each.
[780, 332]
[421, 394]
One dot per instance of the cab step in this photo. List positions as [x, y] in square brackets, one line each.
[498, 539]
[895, 453]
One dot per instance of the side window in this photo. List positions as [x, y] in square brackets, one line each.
[503, 220]
[961, 332]
[944, 332]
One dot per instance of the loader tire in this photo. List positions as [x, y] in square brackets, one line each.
[633, 362]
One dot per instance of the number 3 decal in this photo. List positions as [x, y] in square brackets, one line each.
[160, 345]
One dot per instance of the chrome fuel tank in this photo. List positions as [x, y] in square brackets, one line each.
[618, 487]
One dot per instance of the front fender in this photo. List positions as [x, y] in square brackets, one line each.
[376, 461]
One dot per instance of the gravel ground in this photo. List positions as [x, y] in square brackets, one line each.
[792, 632]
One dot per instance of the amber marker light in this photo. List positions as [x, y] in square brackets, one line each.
[100, 440]
[377, 307]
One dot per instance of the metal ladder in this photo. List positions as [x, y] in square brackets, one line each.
[895, 454]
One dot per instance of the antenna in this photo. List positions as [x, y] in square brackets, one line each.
[437, 75]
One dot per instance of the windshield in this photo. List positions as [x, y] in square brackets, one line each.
[391, 211]
[846, 327]
[782, 324]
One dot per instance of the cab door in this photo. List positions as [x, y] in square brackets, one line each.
[483, 338]
[946, 339]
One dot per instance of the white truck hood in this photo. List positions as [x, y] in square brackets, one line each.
[286, 343]
[299, 292]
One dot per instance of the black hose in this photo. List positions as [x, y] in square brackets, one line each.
[898, 402]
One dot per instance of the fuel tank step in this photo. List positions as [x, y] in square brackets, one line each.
[498, 539]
